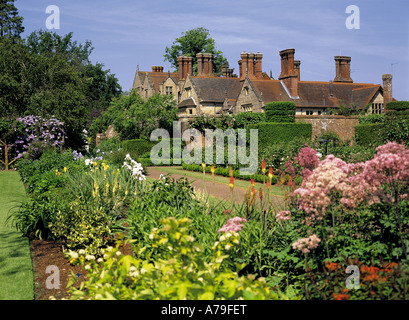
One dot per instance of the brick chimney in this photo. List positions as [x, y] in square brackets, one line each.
[185, 66]
[288, 72]
[258, 68]
[204, 64]
[251, 65]
[157, 69]
[387, 88]
[244, 64]
[297, 64]
[343, 69]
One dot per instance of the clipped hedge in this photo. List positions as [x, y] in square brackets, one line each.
[270, 133]
[280, 111]
[148, 162]
[224, 171]
[138, 146]
[369, 134]
[397, 105]
[142, 147]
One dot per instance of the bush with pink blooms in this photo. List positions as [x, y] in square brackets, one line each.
[358, 209]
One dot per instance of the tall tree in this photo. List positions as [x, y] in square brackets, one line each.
[191, 43]
[11, 24]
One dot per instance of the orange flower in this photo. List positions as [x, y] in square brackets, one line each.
[268, 184]
[252, 182]
[212, 169]
[263, 166]
[340, 296]
[332, 266]
[231, 183]
[282, 179]
[290, 182]
[230, 171]
[204, 166]
[270, 173]
[253, 191]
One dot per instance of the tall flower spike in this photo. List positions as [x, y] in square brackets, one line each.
[270, 174]
[231, 183]
[252, 182]
[263, 166]
[230, 171]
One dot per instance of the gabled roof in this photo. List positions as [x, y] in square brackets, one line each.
[270, 90]
[216, 89]
[317, 94]
[157, 78]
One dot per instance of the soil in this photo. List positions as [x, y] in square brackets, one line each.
[49, 253]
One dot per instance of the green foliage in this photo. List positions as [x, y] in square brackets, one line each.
[270, 133]
[191, 43]
[277, 154]
[372, 118]
[225, 171]
[50, 75]
[134, 118]
[381, 281]
[397, 105]
[181, 271]
[345, 110]
[138, 146]
[280, 111]
[11, 25]
[370, 134]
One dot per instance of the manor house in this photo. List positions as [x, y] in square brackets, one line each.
[203, 93]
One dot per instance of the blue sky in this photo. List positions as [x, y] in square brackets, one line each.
[126, 33]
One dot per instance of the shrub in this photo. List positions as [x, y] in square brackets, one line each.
[180, 272]
[397, 105]
[271, 133]
[138, 146]
[371, 134]
[382, 281]
[280, 111]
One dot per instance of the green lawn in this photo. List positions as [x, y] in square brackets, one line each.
[274, 190]
[16, 273]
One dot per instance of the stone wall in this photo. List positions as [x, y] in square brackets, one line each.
[343, 126]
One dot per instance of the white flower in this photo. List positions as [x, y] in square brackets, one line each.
[87, 162]
[81, 251]
[74, 255]
[90, 257]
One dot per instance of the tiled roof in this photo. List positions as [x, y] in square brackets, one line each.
[270, 90]
[188, 102]
[159, 77]
[316, 94]
[217, 89]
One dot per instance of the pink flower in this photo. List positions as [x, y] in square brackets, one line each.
[306, 244]
[233, 224]
[283, 215]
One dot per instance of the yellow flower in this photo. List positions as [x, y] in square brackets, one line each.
[65, 169]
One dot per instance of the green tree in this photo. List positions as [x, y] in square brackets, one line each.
[51, 75]
[191, 43]
[11, 24]
[43, 42]
[134, 118]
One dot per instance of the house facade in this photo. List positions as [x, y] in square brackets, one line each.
[203, 93]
